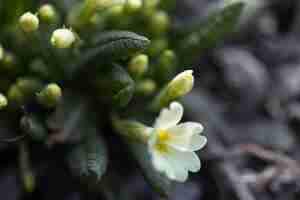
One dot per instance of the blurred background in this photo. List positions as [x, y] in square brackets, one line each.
[247, 95]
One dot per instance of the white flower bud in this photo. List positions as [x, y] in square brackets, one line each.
[29, 22]
[177, 88]
[62, 38]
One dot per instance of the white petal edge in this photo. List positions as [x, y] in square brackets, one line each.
[186, 137]
[169, 117]
[187, 160]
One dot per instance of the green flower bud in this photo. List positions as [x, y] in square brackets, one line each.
[3, 101]
[138, 65]
[15, 95]
[159, 22]
[23, 90]
[63, 38]
[132, 130]
[157, 46]
[29, 22]
[177, 88]
[8, 61]
[98, 4]
[146, 87]
[150, 7]
[133, 5]
[1, 52]
[166, 65]
[47, 13]
[50, 96]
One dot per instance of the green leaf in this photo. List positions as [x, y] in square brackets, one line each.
[115, 86]
[88, 160]
[158, 181]
[215, 28]
[112, 45]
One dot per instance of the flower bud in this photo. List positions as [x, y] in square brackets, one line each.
[62, 38]
[29, 22]
[47, 13]
[138, 65]
[1, 52]
[50, 95]
[3, 101]
[15, 95]
[157, 46]
[146, 87]
[23, 90]
[98, 4]
[166, 65]
[8, 62]
[177, 88]
[133, 5]
[159, 22]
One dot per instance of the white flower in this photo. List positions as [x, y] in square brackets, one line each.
[62, 38]
[172, 145]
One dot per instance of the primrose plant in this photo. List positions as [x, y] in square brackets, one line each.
[88, 75]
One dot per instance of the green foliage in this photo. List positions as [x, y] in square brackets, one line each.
[88, 160]
[207, 34]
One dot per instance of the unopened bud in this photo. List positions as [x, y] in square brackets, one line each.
[47, 13]
[50, 95]
[138, 65]
[177, 88]
[133, 5]
[1, 52]
[166, 65]
[63, 38]
[15, 95]
[3, 101]
[29, 22]
[159, 22]
[146, 87]
[98, 4]
[157, 46]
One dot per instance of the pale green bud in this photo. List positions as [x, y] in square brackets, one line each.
[133, 5]
[3, 101]
[98, 4]
[157, 46]
[159, 22]
[63, 38]
[50, 96]
[138, 65]
[29, 22]
[165, 66]
[1, 52]
[47, 13]
[177, 88]
[146, 87]
[182, 84]
[15, 95]
[23, 90]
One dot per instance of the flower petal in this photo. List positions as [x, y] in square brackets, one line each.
[187, 160]
[169, 117]
[197, 142]
[185, 137]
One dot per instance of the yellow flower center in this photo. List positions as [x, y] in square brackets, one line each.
[162, 138]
